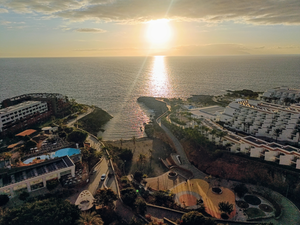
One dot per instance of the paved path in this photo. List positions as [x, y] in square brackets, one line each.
[72, 122]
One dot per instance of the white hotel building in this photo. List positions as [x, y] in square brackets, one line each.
[262, 119]
[21, 111]
[279, 94]
[257, 148]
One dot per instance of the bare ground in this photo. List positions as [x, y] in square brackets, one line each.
[152, 167]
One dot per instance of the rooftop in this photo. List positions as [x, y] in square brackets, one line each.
[16, 107]
[26, 132]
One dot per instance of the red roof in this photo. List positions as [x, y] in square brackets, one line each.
[26, 132]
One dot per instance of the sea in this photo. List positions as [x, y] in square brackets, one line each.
[115, 83]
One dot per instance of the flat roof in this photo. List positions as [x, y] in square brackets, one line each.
[34, 170]
[20, 105]
[254, 140]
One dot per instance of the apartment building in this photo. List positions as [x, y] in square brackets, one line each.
[282, 95]
[262, 119]
[269, 151]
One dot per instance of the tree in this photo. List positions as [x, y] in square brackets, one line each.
[133, 140]
[89, 218]
[3, 200]
[29, 144]
[62, 134]
[126, 154]
[142, 159]
[240, 190]
[138, 176]
[221, 134]
[47, 212]
[140, 206]
[105, 198]
[129, 196]
[77, 136]
[150, 157]
[225, 207]
[196, 218]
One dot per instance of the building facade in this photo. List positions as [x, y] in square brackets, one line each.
[23, 114]
[30, 178]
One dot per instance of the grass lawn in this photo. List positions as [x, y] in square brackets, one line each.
[254, 213]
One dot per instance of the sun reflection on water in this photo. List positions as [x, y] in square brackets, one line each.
[159, 80]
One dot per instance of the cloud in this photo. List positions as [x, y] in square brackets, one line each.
[134, 11]
[261, 47]
[3, 10]
[212, 49]
[90, 30]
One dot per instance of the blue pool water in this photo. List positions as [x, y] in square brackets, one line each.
[59, 153]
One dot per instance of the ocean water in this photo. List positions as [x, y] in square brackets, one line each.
[115, 83]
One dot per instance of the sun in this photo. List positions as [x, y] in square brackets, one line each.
[159, 31]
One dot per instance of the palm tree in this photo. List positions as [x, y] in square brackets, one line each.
[276, 133]
[150, 157]
[221, 134]
[206, 129]
[121, 142]
[298, 131]
[142, 159]
[133, 140]
[89, 218]
[213, 132]
[226, 207]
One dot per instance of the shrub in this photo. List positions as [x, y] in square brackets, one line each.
[138, 176]
[24, 195]
[51, 184]
[3, 200]
[240, 190]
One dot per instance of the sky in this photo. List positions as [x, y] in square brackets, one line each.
[88, 28]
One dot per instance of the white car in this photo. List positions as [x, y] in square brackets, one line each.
[103, 176]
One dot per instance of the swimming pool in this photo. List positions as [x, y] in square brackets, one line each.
[59, 153]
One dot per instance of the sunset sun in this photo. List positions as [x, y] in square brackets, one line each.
[159, 31]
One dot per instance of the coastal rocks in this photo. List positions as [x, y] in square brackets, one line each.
[159, 107]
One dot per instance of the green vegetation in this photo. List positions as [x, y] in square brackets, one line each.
[240, 190]
[174, 119]
[90, 155]
[52, 184]
[202, 99]
[89, 218]
[254, 213]
[129, 196]
[3, 200]
[225, 207]
[243, 94]
[77, 136]
[94, 121]
[105, 198]
[196, 218]
[140, 206]
[47, 212]
[24, 195]
[122, 157]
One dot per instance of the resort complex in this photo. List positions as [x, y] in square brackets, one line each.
[97, 173]
[263, 119]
